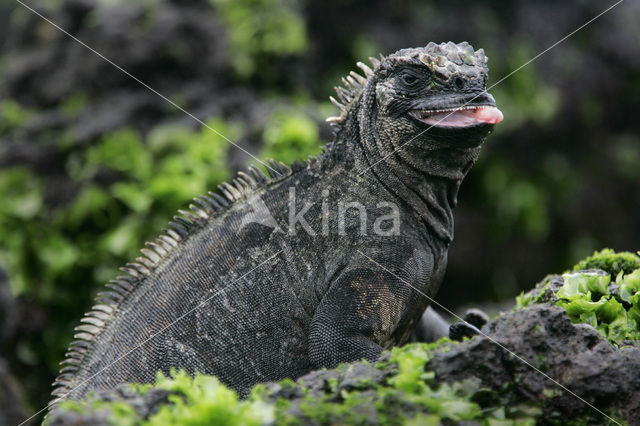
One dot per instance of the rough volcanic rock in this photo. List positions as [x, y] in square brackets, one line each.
[533, 356]
[145, 405]
[573, 355]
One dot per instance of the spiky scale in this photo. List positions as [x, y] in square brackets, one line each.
[274, 168]
[251, 182]
[242, 186]
[365, 68]
[344, 95]
[92, 329]
[100, 315]
[142, 269]
[229, 191]
[190, 218]
[160, 242]
[158, 248]
[185, 222]
[93, 321]
[88, 328]
[117, 289]
[82, 336]
[360, 79]
[79, 345]
[353, 83]
[59, 391]
[146, 262]
[279, 169]
[205, 203]
[224, 202]
[298, 165]
[64, 377]
[199, 213]
[126, 281]
[109, 297]
[151, 255]
[129, 269]
[172, 235]
[74, 354]
[336, 103]
[68, 369]
[71, 361]
[239, 188]
[178, 228]
[258, 174]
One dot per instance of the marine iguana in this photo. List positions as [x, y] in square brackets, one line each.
[264, 280]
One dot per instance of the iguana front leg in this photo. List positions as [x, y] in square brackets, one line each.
[358, 316]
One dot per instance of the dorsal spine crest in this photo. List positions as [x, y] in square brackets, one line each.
[352, 86]
[206, 208]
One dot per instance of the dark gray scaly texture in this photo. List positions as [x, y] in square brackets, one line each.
[279, 305]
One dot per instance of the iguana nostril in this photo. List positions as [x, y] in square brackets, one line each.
[459, 83]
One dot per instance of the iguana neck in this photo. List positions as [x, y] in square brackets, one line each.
[428, 184]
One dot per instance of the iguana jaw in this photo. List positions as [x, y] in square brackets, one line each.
[464, 116]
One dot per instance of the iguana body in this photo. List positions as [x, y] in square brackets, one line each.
[251, 289]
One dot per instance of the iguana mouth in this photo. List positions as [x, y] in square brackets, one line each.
[464, 116]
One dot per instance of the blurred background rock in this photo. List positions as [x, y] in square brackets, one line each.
[92, 164]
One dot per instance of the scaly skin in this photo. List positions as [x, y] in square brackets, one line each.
[229, 290]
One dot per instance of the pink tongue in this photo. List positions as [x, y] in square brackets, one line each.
[467, 117]
[491, 115]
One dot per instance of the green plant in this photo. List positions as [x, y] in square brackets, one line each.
[588, 298]
[519, 202]
[611, 305]
[73, 106]
[12, 115]
[290, 136]
[610, 262]
[260, 30]
[20, 223]
[204, 400]
[126, 190]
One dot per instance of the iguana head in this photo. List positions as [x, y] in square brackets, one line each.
[419, 117]
[435, 95]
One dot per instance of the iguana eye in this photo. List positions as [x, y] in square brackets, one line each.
[409, 79]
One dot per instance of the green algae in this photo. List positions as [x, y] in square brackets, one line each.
[610, 262]
[613, 308]
[602, 291]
